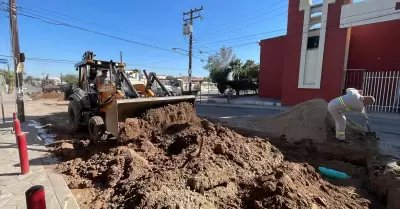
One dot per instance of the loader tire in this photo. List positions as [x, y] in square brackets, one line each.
[74, 116]
[97, 129]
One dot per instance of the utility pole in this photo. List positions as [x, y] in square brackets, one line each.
[189, 24]
[19, 59]
[120, 56]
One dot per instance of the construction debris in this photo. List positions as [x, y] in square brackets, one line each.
[169, 158]
[57, 95]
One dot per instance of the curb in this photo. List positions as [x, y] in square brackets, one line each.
[247, 106]
[248, 102]
[57, 182]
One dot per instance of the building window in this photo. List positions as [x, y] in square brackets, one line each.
[313, 42]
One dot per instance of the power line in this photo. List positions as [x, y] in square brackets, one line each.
[339, 23]
[233, 26]
[56, 22]
[247, 44]
[241, 37]
[248, 14]
[58, 61]
[81, 20]
[286, 28]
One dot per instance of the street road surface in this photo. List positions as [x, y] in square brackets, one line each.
[212, 111]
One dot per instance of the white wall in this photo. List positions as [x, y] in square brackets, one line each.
[368, 12]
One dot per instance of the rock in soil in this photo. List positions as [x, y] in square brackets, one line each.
[153, 166]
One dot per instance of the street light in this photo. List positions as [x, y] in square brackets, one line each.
[179, 49]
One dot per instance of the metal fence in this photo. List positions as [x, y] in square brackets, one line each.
[353, 79]
[385, 87]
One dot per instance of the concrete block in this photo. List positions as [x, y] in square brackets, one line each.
[61, 189]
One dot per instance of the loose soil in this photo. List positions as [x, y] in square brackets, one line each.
[170, 158]
[54, 95]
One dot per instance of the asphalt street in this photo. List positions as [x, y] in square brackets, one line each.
[212, 111]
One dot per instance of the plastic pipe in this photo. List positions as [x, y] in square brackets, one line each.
[330, 173]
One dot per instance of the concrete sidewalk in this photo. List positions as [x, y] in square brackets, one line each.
[13, 185]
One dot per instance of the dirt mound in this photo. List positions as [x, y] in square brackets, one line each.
[48, 95]
[308, 120]
[176, 160]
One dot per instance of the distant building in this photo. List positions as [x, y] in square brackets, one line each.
[135, 77]
[56, 80]
[161, 76]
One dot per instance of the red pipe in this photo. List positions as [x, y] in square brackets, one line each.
[23, 153]
[14, 115]
[35, 197]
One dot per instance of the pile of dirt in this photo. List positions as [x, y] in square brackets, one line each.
[304, 131]
[308, 120]
[169, 158]
[47, 95]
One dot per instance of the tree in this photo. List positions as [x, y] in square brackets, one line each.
[236, 67]
[220, 60]
[218, 67]
[170, 77]
[29, 79]
[245, 77]
[70, 78]
[9, 77]
[252, 70]
[221, 78]
[207, 79]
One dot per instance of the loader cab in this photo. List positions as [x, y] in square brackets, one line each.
[88, 70]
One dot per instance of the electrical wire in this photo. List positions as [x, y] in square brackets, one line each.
[56, 22]
[234, 26]
[348, 22]
[279, 29]
[57, 61]
[303, 25]
[241, 37]
[81, 20]
[248, 14]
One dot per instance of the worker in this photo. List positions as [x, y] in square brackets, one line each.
[353, 100]
[229, 93]
[100, 79]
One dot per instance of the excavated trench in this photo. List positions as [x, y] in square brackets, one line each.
[170, 158]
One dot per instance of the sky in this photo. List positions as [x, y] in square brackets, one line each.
[145, 32]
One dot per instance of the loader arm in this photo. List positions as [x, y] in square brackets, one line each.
[123, 81]
[150, 81]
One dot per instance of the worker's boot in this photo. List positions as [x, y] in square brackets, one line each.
[341, 136]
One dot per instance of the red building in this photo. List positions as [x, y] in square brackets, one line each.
[331, 46]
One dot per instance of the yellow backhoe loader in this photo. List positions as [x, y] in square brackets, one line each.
[101, 101]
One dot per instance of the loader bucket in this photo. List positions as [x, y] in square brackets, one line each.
[120, 110]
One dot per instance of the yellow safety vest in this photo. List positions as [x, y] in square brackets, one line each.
[344, 105]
